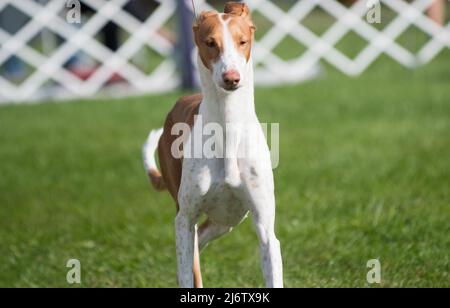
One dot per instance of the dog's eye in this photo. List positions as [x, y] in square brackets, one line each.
[210, 44]
[243, 43]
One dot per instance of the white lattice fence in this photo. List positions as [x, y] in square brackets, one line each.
[49, 76]
[51, 17]
[347, 20]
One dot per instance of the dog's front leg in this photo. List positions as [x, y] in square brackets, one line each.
[262, 205]
[270, 247]
[185, 239]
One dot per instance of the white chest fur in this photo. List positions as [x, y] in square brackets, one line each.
[221, 187]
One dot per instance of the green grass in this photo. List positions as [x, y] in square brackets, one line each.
[364, 173]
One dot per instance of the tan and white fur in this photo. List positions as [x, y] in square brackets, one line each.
[223, 189]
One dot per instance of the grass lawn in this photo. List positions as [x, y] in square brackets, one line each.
[364, 173]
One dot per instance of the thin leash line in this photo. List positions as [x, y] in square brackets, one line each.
[193, 7]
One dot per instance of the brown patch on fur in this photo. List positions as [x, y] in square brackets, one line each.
[208, 35]
[242, 35]
[183, 112]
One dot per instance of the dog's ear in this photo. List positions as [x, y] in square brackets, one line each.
[240, 9]
[202, 17]
[237, 8]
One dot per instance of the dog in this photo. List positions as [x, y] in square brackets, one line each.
[224, 189]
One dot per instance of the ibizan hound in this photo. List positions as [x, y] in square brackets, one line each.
[224, 189]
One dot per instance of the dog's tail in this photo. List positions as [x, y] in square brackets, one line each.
[148, 152]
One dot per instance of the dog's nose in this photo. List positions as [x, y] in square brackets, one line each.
[231, 79]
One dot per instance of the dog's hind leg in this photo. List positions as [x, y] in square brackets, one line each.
[198, 282]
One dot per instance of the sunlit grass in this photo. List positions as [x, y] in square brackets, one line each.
[364, 174]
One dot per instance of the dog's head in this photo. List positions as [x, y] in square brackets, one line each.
[225, 41]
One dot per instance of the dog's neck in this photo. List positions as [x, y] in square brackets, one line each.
[224, 107]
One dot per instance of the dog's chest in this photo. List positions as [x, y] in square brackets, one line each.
[225, 204]
[222, 203]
